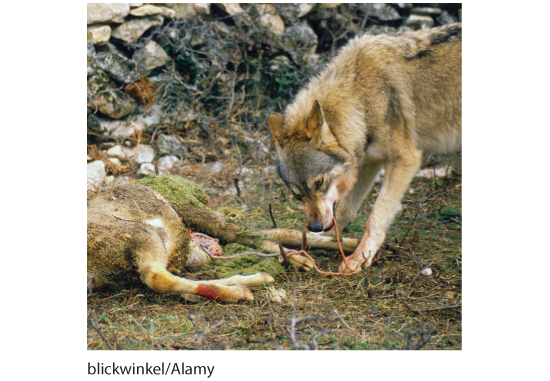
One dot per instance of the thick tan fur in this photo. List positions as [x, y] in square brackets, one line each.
[133, 232]
[380, 103]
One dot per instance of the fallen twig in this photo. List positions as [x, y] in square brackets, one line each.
[271, 215]
[98, 331]
[433, 309]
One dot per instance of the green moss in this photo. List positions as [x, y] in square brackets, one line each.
[245, 264]
[178, 191]
[449, 211]
[231, 214]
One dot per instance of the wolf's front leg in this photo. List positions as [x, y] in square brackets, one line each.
[352, 199]
[398, 176]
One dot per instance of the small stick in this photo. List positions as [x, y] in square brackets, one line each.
[283, 254]
[243, 253]
[433, 309]
[272, 219]
[340, 246]
[236, 181]
[304, 237]
[98, 331]
[138, 142]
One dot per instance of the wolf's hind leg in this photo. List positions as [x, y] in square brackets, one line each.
[352, 200]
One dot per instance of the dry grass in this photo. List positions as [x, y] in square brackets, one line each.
[143, 92]
[406, 311]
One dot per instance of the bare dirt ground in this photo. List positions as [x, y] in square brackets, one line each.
[399, 310]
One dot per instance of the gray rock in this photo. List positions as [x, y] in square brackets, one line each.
[151, 56]
[234, 9]
[119, 129]
[418, 21]
[320, 13]
[269, 170]
[404, 29]
[121, 180]
[381, 11]
[381, 29]
[146, 10]
[310, 59]
[167, 12]
[300, 39]
[104, 97]
[202, 8]
[107, 12]
[222, 29]
[96, 174]
[183, 10]
[146, 169]
[166, 163]
[107, 47]
[131, 30]
[109, 180]
[117, 151]
[446, 18]
[99, 34]
[426, 11]
[269, 18]
[90, 52]
[290, 12]
[169, 144]
[118, 67]
[280, 64]
[213, 167]
[115, 161]
[152, 118]
[145, 154]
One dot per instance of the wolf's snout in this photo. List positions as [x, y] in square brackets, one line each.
[315, 226]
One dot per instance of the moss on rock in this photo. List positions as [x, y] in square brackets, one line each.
[245, 264]
[178, 191]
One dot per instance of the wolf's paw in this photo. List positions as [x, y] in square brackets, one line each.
[353, 265]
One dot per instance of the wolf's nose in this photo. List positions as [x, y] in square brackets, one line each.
[315, 226]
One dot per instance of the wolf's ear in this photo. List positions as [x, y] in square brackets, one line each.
[276, 127]
[314, 120]
[317, 130]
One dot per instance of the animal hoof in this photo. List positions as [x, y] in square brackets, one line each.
[265, 278]
[300, 262]
[238, 294]
[257, 280]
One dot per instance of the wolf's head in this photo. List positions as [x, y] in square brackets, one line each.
[313, 165]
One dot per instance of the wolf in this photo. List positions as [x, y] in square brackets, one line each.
[380, 103]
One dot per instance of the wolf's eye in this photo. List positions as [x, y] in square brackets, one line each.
[318, 183]
[297, 196]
